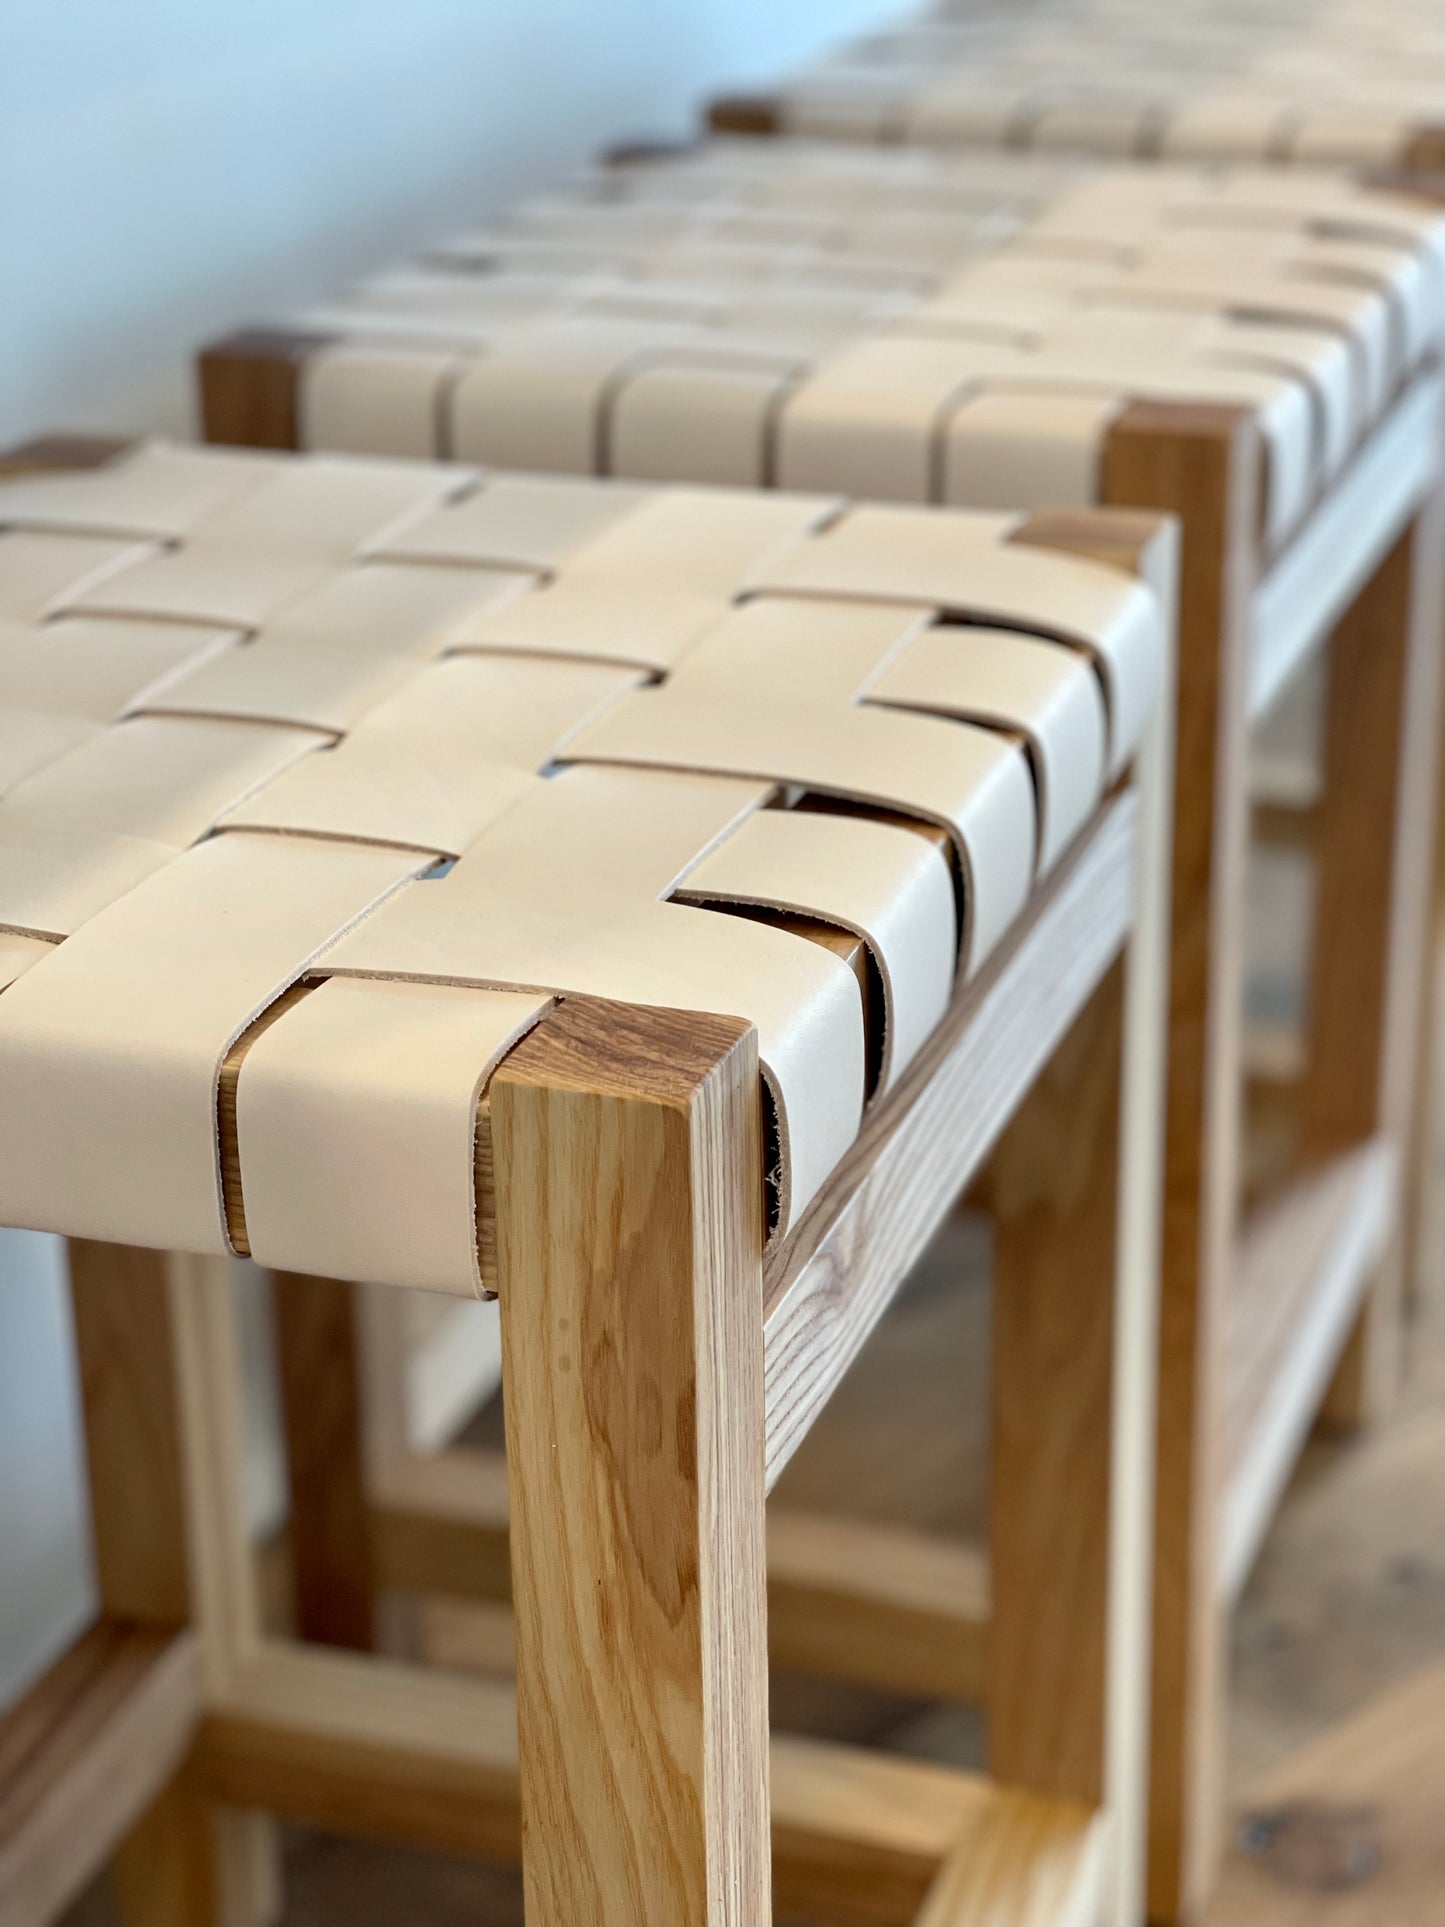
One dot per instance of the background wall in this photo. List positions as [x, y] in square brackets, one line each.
[171, 168]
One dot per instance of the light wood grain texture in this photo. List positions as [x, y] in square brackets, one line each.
[82, 1757]
[46, 453]
[1055, 1195]
[878, 1605]
[628, 1158]
[1335, 554]
[169, 1868]
[365, 1747]
[1205, 465]
[125, 1345]
[440, 1524]
[1078, 1201]
[1377, 1777]
[1375, 857]
[225, 1610]
[836, 1275]
[745, 114]
[127, 1342]
[319, 1373]
[248, 387]
[1305, 1260]
[1026, 1862]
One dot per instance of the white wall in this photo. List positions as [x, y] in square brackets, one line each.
[172, 168]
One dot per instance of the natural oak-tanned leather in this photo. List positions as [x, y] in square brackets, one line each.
[906, 326]
[1314, 81]
[442, 746]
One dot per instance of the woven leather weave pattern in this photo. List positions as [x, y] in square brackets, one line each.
[440, 745]
[1322, 81]
[907, 326]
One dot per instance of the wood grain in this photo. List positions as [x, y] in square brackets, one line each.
[1024, 1862]
[1306, 1257]
[628, 1157]
[125, 1345]
[879, 1605]
[47, 453]
[319, 1375]
[367, 1748]
[82, 1757]
[1205, 465]
[139, 1397]
[745, 114]
[249, 384]
[835, 1276]
[1374, 865]
[1055, 1195]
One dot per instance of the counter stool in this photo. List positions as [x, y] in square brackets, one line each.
[1339, 85]
[1255, 352]
[1319, 84]
[651, 907]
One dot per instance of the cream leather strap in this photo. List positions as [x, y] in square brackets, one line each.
[907, 326]
[323, 785]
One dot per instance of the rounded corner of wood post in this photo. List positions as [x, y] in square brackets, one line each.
[745, 114]
[1130, 540]
[249, 386]
[628, 1176]
[1185, 458]
[1423, 162]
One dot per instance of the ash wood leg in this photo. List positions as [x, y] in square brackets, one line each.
[1056, 1341]
[249, 387]
[317, 1345]
[1425, 1271]
[1372, 917]
[225, 1601]
[1203, 464]
[1055, 1185]
[629, 1226]
[164, 1874]
[167, 1870]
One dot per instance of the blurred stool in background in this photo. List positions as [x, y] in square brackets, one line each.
[1254, 351]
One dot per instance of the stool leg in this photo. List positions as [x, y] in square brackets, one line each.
[1425, 1256]
[165, 1871]
[172, 1871]
[1205, 465]
[629, 1223]
[317, 1349]
[226, 1608]
[1372, 914]
[1056, 1340]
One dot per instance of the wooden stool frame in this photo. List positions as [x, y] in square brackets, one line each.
[1294, 1311]
[1286, 811]
[650, 1799]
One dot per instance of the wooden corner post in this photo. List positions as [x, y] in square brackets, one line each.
[629, 1178]
[1076, 1195]
[1366, 1028]
[319, 1369]
[1204, 465]
[166, 1872]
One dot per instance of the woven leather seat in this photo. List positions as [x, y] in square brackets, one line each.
[440, 878]
[1324, 81]
[441, 745]
[1255, 351]
[913, 327]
